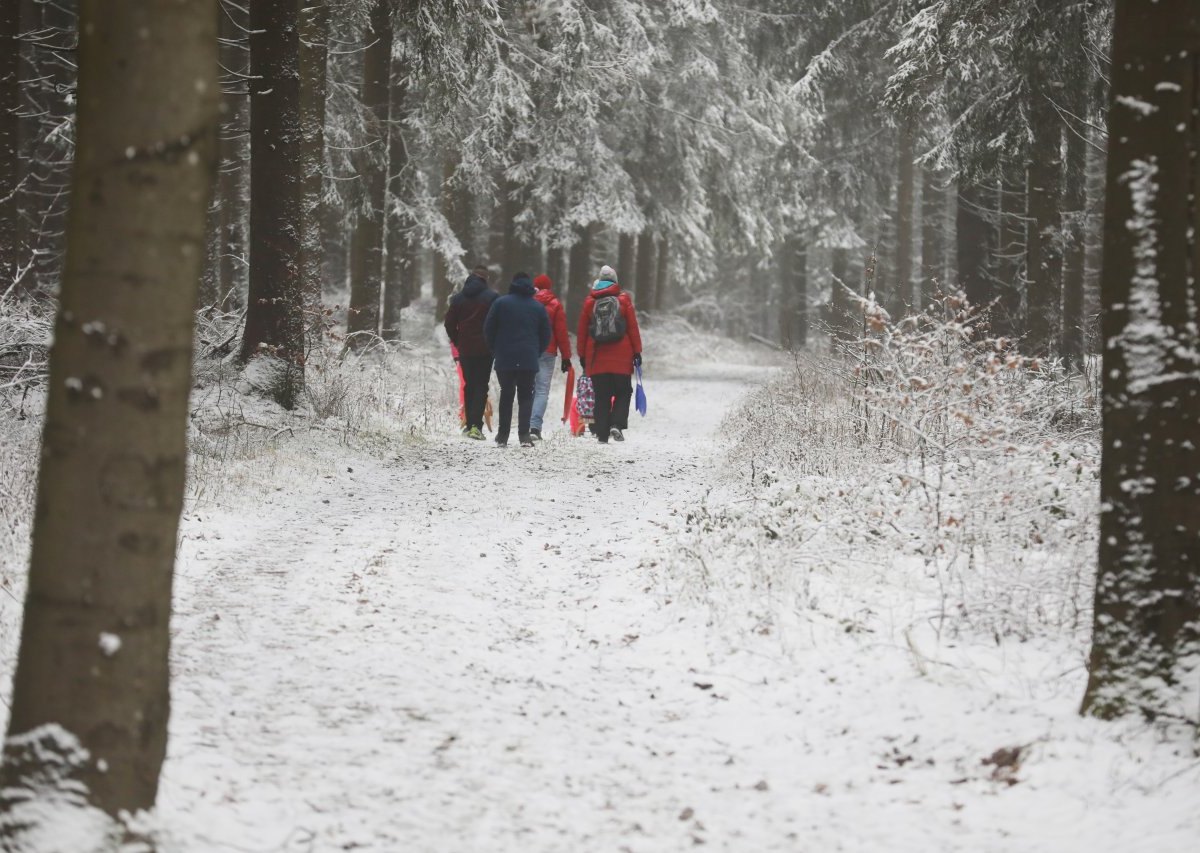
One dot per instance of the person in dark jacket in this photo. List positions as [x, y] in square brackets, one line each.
[610, 363]
[517, 330]
[464, 325]
[560, 345]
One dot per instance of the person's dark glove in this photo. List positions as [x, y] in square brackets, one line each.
[566, 365]
[637, 359]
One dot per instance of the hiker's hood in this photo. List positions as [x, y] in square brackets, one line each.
[600, 287]
[474, 286]
[521, 285]
[546, 297]
[543, 282]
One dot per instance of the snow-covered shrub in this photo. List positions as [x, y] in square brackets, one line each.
[376, 398]
[936, 454]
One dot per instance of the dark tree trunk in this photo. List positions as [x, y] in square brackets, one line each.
[843, 318]
[1043, 263]
[644, 279]
[904, 298]
[793, 291]
[10, 172]
[93, 662]
[556, 268]
[975, 244]
[581, 272]
[44, 197]
[314, 53]
[662, 263]
[933, 246]
[498, 225]
[366, 248]
[518, 255]
[1007, 316]
[1146, 640]
[399, 286]
[442, 286]
[275, 304]
[1074, 205]
[626, 253]
[233, 190]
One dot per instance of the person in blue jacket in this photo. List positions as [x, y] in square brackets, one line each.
[517, 331]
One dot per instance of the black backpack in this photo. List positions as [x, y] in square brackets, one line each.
[608, 321]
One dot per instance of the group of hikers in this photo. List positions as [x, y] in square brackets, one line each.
[524, 334]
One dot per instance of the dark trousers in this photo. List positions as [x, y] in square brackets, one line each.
[519, 384]
[613, 391]
[477, 370]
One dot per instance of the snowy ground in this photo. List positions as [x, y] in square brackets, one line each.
[456, 647]
[389, 638]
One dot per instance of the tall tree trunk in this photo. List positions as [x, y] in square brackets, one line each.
[626, 253]
[644, 280]
[581, 272]
[499, 225]
[518, 255]
[10, 172]
[93, 663]
[399, 286]
[975, 240]
[275, 303]
[905, 298]
[233, 188]
[556, 268]
[1008, 320]
[442, 285]
[45, 195]
[842, 318]
[1043, 254]
[1146, 639]
[314, 54]
[366, 248]
[662, 282]
[793, 291]
[933, 246]
[1075, 210]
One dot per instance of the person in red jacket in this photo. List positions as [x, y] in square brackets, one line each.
[560, 344]
[610, 344]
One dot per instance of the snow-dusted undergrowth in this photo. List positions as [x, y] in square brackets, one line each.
[374, 399]
[925, 456]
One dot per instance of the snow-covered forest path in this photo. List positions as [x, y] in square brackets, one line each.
[455, 650]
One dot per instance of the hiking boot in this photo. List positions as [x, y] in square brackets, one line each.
[527, 441]
[616, 435]
[502, 441]
[535, 434]
[475, 433]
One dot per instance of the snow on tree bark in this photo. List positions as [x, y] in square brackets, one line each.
[1146, 641]
[111, 483]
